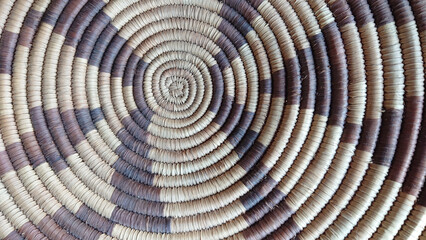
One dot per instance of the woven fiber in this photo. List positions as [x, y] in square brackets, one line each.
[212, 119]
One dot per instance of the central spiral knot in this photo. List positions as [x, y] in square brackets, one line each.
[176, 88]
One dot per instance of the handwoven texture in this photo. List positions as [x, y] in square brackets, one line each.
[207, 119]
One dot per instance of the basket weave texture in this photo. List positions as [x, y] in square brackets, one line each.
[207, 119]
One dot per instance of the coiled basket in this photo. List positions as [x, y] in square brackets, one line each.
[208, 119]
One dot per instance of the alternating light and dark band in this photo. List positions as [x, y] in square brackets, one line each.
[231, 119]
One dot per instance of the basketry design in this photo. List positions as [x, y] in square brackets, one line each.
[206, 119]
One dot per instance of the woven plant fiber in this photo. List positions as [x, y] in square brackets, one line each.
[212, 119]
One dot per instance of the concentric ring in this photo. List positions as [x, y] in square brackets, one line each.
[233, 119]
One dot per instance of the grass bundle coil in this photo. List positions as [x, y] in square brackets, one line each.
[207, 119]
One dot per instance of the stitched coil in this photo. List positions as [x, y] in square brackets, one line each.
[230, 119]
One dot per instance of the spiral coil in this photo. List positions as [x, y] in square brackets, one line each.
[233, 119]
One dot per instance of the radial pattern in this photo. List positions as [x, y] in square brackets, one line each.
[207, 119]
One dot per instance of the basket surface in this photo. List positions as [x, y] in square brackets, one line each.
[233, 119]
